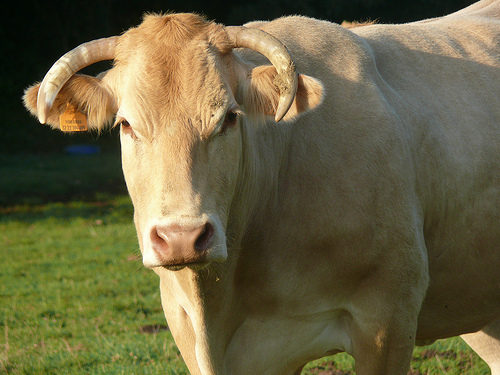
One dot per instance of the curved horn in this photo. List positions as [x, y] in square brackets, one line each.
[84, 55]
[277, 53]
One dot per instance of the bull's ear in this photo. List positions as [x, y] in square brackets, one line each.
[261, 94]
[86, 93]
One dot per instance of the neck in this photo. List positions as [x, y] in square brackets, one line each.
[264, 154]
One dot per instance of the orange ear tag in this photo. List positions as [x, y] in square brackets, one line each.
[72, 120]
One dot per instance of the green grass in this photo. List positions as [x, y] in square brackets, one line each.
[74, 296]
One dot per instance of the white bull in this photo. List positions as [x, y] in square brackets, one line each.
[367, 221]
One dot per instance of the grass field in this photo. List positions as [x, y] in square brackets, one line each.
[74, 296]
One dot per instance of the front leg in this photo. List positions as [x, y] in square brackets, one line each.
[383, 328]
[385, 350]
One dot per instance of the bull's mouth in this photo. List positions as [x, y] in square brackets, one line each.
[196, 266]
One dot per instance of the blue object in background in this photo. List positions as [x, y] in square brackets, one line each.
[82, 150]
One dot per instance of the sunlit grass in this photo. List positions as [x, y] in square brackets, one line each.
[73, 296]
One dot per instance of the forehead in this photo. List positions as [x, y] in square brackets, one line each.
[173, 66]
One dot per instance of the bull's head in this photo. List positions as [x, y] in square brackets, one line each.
[187, 104]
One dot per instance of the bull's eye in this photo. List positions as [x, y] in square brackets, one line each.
[124, 124]
[229, 121]
[125, 127]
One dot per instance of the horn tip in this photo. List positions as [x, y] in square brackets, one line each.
[42, 116]
[44, 103]
[280, 114]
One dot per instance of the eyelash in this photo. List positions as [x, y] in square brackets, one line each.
[125, 127]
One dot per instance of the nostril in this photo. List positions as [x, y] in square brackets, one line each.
[203, 241]
[159, 237]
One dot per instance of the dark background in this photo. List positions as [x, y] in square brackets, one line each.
[35, 33]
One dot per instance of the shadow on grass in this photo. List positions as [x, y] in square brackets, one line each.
[116, 209]
[61, 186]
[40, 179]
